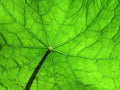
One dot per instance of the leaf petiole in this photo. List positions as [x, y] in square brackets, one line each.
[29, 83]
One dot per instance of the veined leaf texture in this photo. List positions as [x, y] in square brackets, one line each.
[76, 42]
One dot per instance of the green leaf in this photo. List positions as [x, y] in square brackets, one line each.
[82, 36]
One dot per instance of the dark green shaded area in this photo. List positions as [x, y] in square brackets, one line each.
[0, 47]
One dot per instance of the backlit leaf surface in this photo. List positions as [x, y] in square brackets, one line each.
[84, 36]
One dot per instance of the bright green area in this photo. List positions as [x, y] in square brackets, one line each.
[83, 34]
